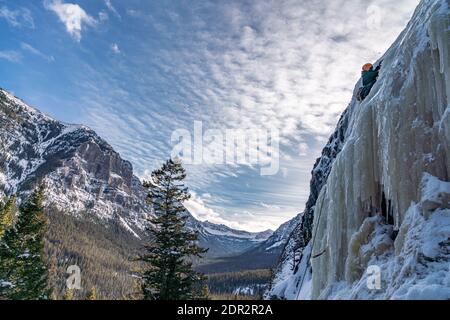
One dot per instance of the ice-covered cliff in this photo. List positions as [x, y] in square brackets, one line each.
[385, 205]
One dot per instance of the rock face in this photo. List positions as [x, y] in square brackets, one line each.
[278, 240]
[82, 173]
[378, 185]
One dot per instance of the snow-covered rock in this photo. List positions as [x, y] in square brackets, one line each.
[280, 237]
[223, 241]
[82, 173]
[390, 177]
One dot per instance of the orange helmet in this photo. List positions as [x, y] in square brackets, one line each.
[367, 67]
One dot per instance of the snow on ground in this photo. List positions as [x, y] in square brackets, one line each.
[287, 282]
[249, 290]
[5, 284]
[276, 245]
[125, 224]
[19, 103]
[434, 191]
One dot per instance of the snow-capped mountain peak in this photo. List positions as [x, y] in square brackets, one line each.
[222, 230]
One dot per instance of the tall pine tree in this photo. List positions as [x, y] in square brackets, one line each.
[21, 253]
[170, 275]
[7, 213]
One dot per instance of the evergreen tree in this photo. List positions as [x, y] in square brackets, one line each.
[7, 215]
[21, 253]
[170, 275]
[7, 212]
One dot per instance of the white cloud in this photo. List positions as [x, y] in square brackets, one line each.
[243, 220]
[197, 207]
[303, 149]
[17, 18]
[115, 48]
[103, 16]
[269, 206]
[12, 56]
[111, 8]
[27, 47]
[72, 15]
[133, 13]
[287, 64]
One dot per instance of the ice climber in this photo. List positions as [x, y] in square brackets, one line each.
[369, 78]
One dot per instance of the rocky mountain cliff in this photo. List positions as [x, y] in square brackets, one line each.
[223, 241]
[83, 175]
[380, 193]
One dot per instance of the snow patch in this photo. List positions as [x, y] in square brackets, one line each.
[276, 245]
[294, 282]
[125, 224]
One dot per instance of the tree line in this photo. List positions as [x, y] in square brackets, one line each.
[23, 273]
[230, 282]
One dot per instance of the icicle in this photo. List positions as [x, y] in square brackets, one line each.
[439, 31]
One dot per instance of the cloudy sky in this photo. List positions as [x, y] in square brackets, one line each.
[136, 71]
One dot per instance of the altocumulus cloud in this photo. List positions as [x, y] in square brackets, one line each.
[28, 47]
[74, 18]
[287, 64]
[111, 8]
[115, 48]
[17, 18]
[11, 56]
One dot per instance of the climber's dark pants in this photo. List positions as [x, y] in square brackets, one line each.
[365, 91]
